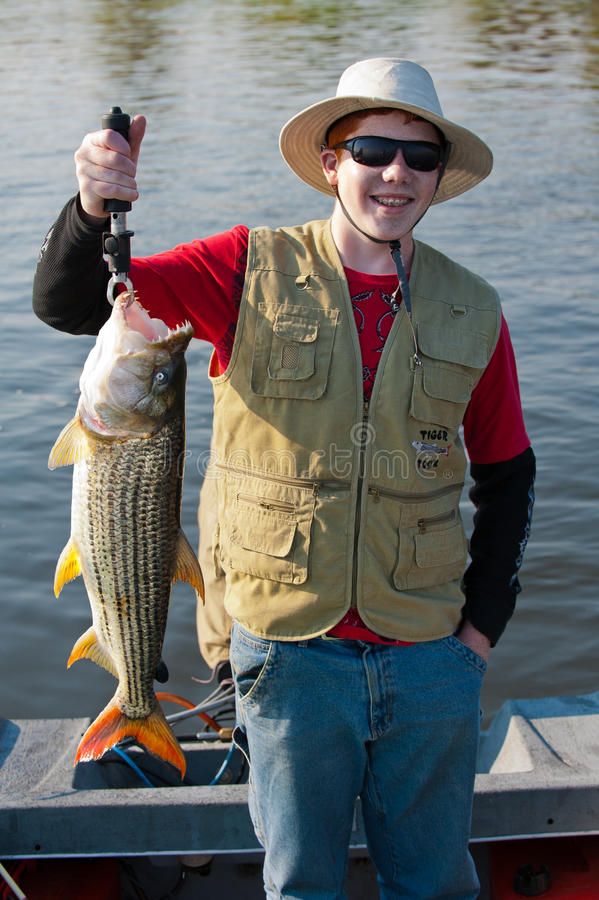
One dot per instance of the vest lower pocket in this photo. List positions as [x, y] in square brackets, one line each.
[265, 528]
[431, 552]
[292, 351]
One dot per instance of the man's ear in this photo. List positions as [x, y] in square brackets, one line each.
[329, 161]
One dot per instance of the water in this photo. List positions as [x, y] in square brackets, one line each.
[216, 82]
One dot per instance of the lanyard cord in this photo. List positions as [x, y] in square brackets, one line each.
[403, 286]
[395, 246]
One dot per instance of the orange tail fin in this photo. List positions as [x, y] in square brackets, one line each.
[112, 725]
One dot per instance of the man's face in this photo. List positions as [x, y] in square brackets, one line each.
[386, 201]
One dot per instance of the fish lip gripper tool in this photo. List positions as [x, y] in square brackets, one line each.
[116, 243]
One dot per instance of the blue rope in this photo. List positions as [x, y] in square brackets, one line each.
[127, 759]
[222, 769]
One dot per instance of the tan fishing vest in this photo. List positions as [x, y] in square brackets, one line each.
[322, 502]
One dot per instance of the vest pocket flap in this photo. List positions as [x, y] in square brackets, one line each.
[440, 395]
[292, 328]
[273, 537]
[446, 384]
[292, 350]
[467, 348]
[440, 548]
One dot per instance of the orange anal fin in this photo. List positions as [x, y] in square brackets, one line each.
[112, 725]
[187, 567]
[71, 445]
[87, 647]
[67, 567]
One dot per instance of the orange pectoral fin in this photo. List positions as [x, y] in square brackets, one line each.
[187, 567]
[68, 566]
[87, 647]
[112, 725]
[71, 445]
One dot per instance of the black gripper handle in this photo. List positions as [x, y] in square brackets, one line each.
[117, 120]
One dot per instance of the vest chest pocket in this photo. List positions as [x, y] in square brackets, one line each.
[265, 528]
[292, 351]
[443, 384]
[440, 395]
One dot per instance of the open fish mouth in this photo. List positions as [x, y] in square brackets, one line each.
[135, 320]
[134, 373]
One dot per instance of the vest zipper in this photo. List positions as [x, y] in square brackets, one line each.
[366, 434]
[361, 457]
[315, 484]
[435, 520]
[377, 493]
[264, 503]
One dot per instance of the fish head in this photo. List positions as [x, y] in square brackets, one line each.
[134, 377]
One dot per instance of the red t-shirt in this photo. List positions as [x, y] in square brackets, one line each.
[202, 281]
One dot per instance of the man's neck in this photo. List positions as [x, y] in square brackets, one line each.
[358, 252]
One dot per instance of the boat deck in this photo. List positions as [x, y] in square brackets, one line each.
[538, 776]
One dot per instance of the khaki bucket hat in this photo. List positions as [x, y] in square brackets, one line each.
[372, 84]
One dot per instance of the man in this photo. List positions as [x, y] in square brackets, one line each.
[347, 356]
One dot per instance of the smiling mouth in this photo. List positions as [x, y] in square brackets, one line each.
[392, 202]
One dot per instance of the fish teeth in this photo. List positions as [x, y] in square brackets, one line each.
[179, 329]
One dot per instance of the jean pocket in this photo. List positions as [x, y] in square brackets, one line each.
[469, 657]
[251, 659]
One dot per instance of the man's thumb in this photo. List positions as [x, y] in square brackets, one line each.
[137, 129]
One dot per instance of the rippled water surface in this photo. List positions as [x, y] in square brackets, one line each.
[216, 82]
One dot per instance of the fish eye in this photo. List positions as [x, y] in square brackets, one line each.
[161, 377]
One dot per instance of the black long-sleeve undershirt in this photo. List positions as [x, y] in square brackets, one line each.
[503, 494]
[71, 278]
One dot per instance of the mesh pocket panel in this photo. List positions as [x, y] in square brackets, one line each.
[290, 356]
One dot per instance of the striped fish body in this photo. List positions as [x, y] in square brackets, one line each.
[125, 523]
[126, 542]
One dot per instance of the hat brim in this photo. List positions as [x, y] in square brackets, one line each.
[301, 138]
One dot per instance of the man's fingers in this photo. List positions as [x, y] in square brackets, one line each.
[107, 189]
[106, 166]
[95, 156]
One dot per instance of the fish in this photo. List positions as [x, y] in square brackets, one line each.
[126, 443]
[423, 447]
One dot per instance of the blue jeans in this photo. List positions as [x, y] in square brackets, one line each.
[325, 721]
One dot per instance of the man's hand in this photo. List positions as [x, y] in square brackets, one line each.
[106, 166]
[475, 639]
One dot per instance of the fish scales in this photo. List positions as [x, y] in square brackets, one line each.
[130, 570]
[127, 569]
[126, 443]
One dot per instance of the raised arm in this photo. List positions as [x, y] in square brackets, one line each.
[69, 288]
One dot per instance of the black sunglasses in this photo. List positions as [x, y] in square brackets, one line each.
[423, 156]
